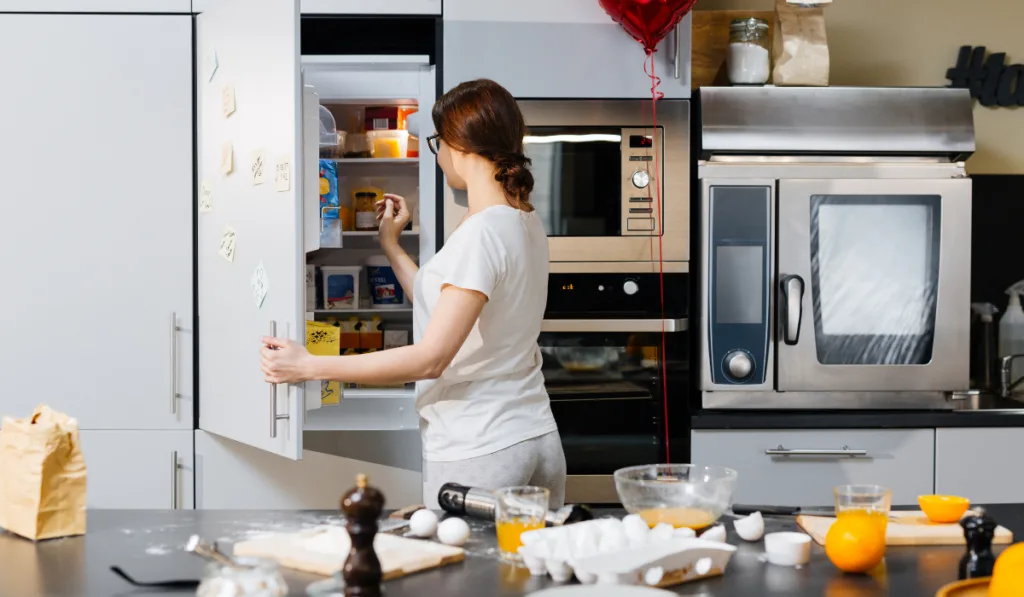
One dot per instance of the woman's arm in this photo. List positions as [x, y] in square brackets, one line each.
[456, 312]
[393, 214]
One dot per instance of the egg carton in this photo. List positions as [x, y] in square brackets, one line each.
[623, 552]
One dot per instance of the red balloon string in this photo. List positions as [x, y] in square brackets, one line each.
[655, 96]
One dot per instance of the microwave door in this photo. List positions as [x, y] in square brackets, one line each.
[873, 285]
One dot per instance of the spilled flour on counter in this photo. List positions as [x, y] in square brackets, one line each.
[159, 550]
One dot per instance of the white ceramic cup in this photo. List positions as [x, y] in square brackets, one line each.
[788, 549]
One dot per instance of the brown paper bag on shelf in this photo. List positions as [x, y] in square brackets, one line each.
[800, 46]
[42, 476]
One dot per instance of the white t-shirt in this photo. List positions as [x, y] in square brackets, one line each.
[492, 395]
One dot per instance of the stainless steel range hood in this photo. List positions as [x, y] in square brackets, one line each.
[847, 121]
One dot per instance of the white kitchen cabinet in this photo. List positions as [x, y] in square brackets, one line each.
[97, 6]
[243, 433]
[805, 464]
[354, 7]
[236, 476]
[967, 464]
[565, 49]
[96, 218]
[139, 469]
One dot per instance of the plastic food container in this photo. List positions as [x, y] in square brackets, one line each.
[385, 291]
[328, 134]
[341, 287]
[389, 144]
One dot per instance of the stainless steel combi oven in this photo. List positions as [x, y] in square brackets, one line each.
[835, 246]
[593, 163]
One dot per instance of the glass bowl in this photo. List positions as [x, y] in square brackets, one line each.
[683, 495]
[585, 358]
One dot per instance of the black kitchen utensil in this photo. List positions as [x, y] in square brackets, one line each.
[474, 502]
[161, 584]
[746, 510]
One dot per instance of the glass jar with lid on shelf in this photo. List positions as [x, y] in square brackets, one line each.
[748, 61]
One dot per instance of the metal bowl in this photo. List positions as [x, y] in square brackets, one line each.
[683, 495]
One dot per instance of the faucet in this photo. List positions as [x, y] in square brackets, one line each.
[1006, 383]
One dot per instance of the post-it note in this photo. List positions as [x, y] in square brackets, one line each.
[258, 169]
[283, 174]
[227, 158]
[260, 285]
[227, 100]
[205, 197]
[227, 244]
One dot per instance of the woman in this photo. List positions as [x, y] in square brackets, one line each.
[485, 416]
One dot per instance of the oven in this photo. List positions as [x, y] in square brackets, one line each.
[595, 183]
[601, 343]
[835, 247]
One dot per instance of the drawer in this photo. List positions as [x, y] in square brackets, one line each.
[900, 459]
[959, 454]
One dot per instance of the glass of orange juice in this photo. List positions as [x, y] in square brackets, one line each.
[870, 501]
[517, 510]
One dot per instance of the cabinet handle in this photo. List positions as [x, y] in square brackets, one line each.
[175, 328]
[845, 451]
[174, 480]
[274, 417]
[675, 53]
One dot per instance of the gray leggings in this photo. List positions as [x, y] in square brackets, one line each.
[538, 461]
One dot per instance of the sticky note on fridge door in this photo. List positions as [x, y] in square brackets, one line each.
[259, 284]
[227, 100]
[283, 174]
[227, 158]
[211, 65]
[258, 168]
[205, 197]
[227, 244]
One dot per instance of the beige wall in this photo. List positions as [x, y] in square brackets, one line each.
[913, 42]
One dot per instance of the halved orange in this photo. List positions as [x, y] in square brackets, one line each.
[943, 508]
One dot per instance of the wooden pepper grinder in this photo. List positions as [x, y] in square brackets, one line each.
[979, 530]
[362, 506]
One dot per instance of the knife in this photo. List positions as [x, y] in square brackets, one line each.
[746, 510]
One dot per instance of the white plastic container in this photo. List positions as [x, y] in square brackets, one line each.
[341, 287]
[1011, 330]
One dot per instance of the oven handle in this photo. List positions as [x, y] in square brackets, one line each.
[614, 325]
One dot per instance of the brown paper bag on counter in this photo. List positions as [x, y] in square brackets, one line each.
[42, 476]
[800, 49]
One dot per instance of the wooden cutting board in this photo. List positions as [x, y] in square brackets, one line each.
[905, 528]
[322, 550]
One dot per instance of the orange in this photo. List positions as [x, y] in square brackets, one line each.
[1008, 573]
[943, 508]
[855, 543]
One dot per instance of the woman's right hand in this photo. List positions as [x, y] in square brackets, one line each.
[393, 215]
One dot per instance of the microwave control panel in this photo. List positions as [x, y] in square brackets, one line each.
[738, 283]
[641, 212]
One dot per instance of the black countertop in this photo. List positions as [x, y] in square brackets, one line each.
[984, 411]
[147, 544]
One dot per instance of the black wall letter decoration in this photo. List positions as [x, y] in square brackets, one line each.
[991, 81]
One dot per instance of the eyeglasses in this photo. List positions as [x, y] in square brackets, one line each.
[434, 143]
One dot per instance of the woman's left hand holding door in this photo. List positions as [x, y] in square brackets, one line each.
[284, 361]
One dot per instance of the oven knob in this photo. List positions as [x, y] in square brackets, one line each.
[641, 179]
[739, 364]
[630, 287]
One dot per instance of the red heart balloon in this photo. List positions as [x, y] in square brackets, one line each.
[647, 21]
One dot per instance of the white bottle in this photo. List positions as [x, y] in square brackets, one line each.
[1011, 330]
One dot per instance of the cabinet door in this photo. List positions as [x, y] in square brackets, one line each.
[97, 6]
[96, 218]
[249, 103]
[565, 49]
[960, 457]
[139, 469]
[799, 467]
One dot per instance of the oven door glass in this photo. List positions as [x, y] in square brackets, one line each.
[875, 278]
[606, 396]
[577, 174]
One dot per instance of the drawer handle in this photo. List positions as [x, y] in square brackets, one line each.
[845, 451]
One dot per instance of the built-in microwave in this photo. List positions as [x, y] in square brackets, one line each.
[596, 181]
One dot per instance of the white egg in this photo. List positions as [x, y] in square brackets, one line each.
[703, 566]
[715, 533]
[684, 533]
[750, 528]
[536, 565]
[559, 570]
[612, 542]
[453, 531]
[636, 530]
[654, 575]
[423, 524]
[585, 543]
[661, 533]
